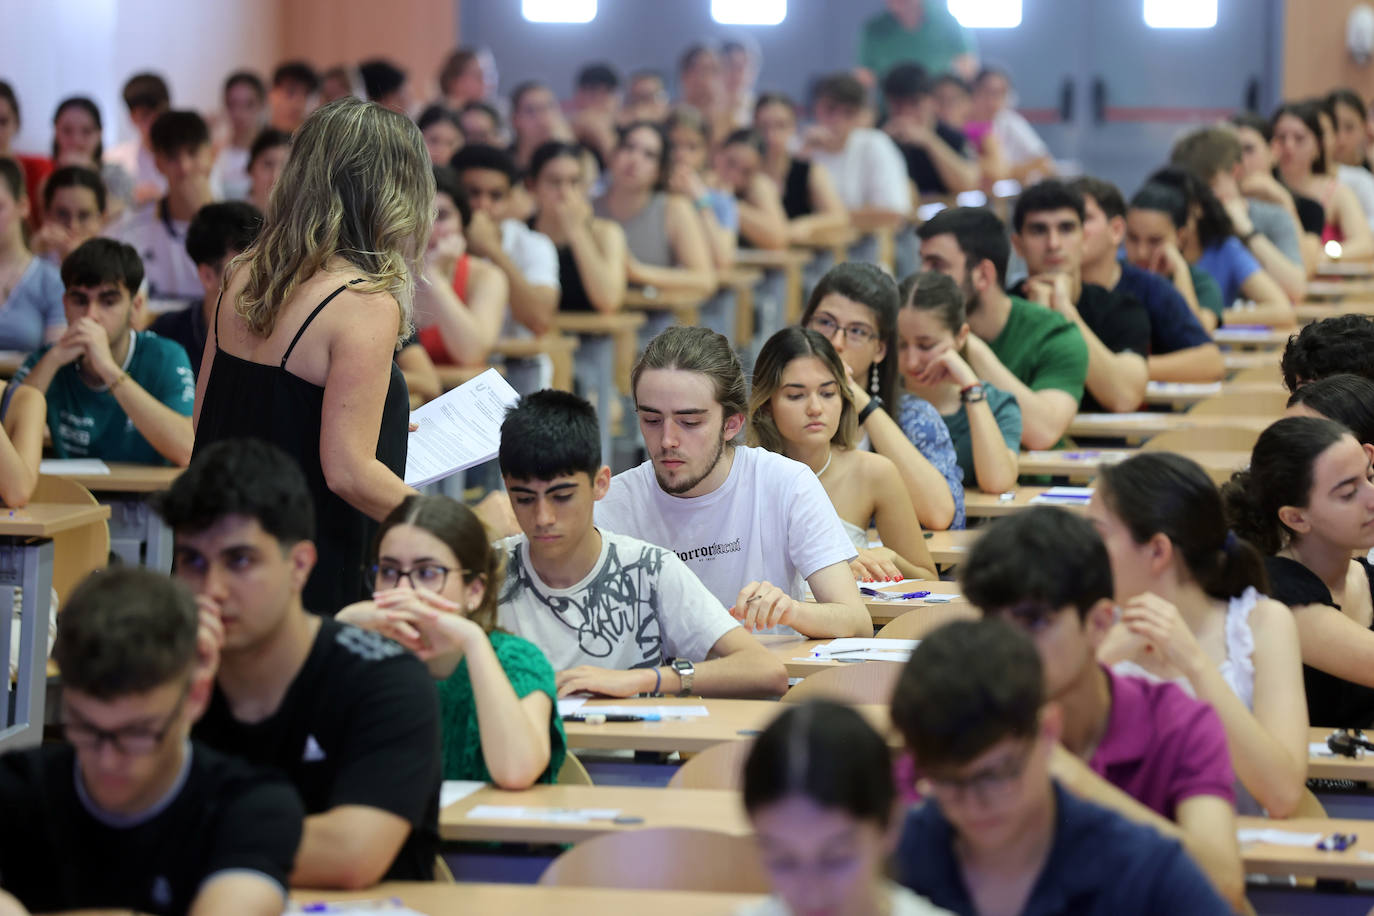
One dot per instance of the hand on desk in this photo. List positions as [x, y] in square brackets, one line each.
[606, 682]
[762, 606]
[876, 564]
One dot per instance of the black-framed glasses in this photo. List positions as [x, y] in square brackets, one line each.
[853, 333]
[429, 576]
[131, 742]
[990, 785]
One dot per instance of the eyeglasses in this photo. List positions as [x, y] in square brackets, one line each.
[854, 333]
[131, 742]
[991, 785]
[427, 575]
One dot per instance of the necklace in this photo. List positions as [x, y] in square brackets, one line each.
[829, 457]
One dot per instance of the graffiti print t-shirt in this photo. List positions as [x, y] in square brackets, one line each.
[639, 607]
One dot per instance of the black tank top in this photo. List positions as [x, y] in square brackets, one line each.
[244, 399]
[573, 295]
[796, 190]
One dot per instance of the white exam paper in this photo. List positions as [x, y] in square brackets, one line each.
[1063, 496]
[1276, 837]
[663, 712]
[551, 815]
[857, 649]
[459, 429]
[453, 790]
[569, 705]
[86, 467]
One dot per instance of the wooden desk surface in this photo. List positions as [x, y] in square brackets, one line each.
[1357, 769]
[127, 478]
[47, 519]
[1144, 424]
[639, 806]
[795, 651]
[770, 259]
[654, 299]
[1250, 359]
[438, 899]
[451, 377]
[1239, 336]
[1353, 864]
[992, 505]
[949, 547]
[1309, 312]
[598, 322]
[527, 347]
[884, 612]
[1083, 463]
[1330, 269]
[1179, 396]
[1336, 289]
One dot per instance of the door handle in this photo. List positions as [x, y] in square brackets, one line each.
[1099, 100]
[1066, 100]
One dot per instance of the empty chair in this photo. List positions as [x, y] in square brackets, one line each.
[662, 858]
[720, 766]
[866, 682]
[78, 551]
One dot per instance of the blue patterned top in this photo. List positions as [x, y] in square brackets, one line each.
[927, 431]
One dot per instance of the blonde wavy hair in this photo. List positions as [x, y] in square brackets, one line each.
[776, 355]
[357, 186]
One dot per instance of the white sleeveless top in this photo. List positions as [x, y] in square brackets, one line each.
[857, 535]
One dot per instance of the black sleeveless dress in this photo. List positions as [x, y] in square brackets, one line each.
[244, 399]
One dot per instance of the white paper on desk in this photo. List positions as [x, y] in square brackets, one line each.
[550, 815]
[856, 649]
[1275, 837]
[663, 712]
[569, 705]
[1063, 496]
[459, 429]
[86, 467]
[1137, 417]
[453, 790]
[1183, 388]
[391, 907]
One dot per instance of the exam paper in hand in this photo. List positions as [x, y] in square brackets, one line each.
[459, 429]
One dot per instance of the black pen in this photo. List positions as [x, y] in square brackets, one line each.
[596, 718]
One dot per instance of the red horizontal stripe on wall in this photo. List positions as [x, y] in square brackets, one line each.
[1040, 115]
[1168, 115]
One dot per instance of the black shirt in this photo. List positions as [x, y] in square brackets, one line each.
[796, 189]
[1331, 701]
[919, 167]
[187, 327]
[1311, 214]
[359, 725]
[59, 852]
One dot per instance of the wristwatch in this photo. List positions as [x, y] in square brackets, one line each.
[686, 672]
[973, 393]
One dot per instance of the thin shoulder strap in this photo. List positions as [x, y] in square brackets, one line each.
[319, 308]
[215, 329]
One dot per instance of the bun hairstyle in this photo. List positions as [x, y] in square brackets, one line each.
[1280, 474]
[1163, 493]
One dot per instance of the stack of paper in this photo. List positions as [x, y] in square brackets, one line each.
[548, 815]
[83, 467]
[1276, 837]
[1063, 496]
[866, 650]
[1183, 389]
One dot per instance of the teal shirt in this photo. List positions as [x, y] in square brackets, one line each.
[89, 423]
[935, 43]
[1208, 292]
[529, 672]
[1005, 411]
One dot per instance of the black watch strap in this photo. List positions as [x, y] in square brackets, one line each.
[874, 403]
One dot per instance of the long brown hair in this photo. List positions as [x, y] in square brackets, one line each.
[777, 354]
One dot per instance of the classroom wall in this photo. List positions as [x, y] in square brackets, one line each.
[1314, 55]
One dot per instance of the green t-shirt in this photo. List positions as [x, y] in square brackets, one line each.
[935, 43]
[1208, 292]
[529, 671]
[1042, 349]
[1005, 411]
[89, 423]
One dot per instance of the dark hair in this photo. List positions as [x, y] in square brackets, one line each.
[1280, 474]
[446, 182]
[599, 75]
[268, 138]
[1106, 195]
[1163, 493]
[98, 261]
[454, 66]
[1208, 152]
[12, 175]
[246, 477]
[905, 82]
[88, 106]
[462, 532]
[297, 72]
[951, 79]
[125, 630]
[774, 357]
[174, 131]
[1044, 558]
[1349, 98]
[550, 150]
[826, 752]
[968, 685]
[841, 89]
[775, 98]
[146, 90]
[220, 228]
[979, 234]
[931, 291]
[987, 72]
[663, 149]
[489, 158]
[1254, 121]
[1050, 194]
[1341, 343]
[1309, 114]
[1213, 224]
[246, 78]
[380, 78]
[518, 94]
[1162, 198]
[485, 108]
[433, 115]
[74, 176]
[548, 434]
[7, 95]
[1348, 399]
[688, 58]
[746, 136]
[697, 349]
[869, 285]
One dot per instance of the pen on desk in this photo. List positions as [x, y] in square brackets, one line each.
[596, 718]
[346, 906]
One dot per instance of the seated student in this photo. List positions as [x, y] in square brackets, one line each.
[1049, 235]
[385, 83]
[751, 524]
[818, 791]
[23, 415]
[688, 151]
[245, 103]
[266, 159]
[481, 124]
[1146, 750]
[984, 422]
[646, 98]
[1194, 613]
[113, 393]
[436, 578]
[30, 288]
[762, 220]
[800, 406]
[854, 306]
[953, 97]
[1004, 831]
[938, 159]
[218, 234]
[865, 164]
[1347, 399]
[463, 78]
[156, 823]
[1180, 349]
[701, 83]
[288, 101]
[993, 115]
[1306, 502]
[461, 305]
[1210, 242]
[616, 616]
[74, 202]
[442, 132]
[1301, 161]
[339, 82]
[1341, 343]
[1016, 345]
[591, 250]
[146, 97]
[596, 109]
[535, 119]
[813, 206]
[349, 717]
[1213, 154]
[1350, 142]
[181, 146]
[666, 239]
[1356, 178]
[76, 141]
[1259, 181]
[1157, 222]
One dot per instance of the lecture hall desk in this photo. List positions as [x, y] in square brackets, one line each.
[137, 533]
[440, 899]
[1082, 464]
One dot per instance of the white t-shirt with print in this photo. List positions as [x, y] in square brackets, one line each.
[869, 172]
[770, 521]
[639, 607]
